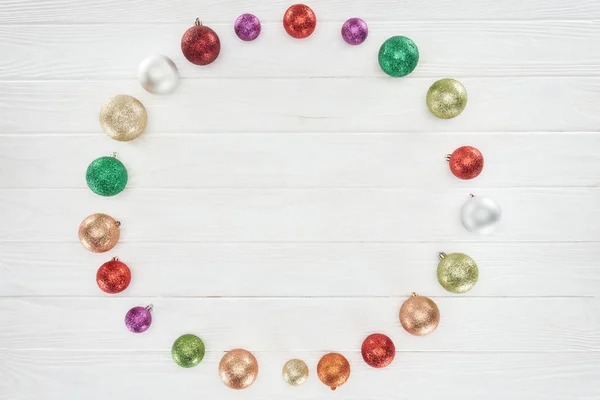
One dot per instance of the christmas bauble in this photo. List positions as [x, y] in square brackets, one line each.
[200, 44]
[123, 118]
[378, 350]
[188, 350]
[295, 372]
[457, 272]
[466, 162]
[299, 21]
[158, 74]
[139, 319]
[419, 315]
[113, 276]
[99, 233]
[238, 369]
[333, 370]
[106, 176]
[481, 215]
[355, 31]
[447, 98]
[247, 27]
[398, 56]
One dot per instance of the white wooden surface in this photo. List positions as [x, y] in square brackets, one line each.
[287, 199]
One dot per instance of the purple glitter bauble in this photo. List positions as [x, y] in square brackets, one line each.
[355, 31]
[138, 319]
[247, 27]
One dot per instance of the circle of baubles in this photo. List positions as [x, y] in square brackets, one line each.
[124, 118]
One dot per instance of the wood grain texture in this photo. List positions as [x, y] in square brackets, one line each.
[423, 375]
[455, 49]
[306, 324]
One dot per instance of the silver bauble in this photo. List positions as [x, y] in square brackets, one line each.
[480, 214]
[158, 74]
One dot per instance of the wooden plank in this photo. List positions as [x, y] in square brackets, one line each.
[301, 324]
[283, 105]
[447, 49]
[152, 375]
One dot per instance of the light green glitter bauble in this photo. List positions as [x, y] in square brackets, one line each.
[188, 350]
[106, 176]
[398, 56]
[457, 272]
[447, 98]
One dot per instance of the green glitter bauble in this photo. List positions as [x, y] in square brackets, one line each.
[106, 176]
[457, 272]
[398, 56]
[188, 350]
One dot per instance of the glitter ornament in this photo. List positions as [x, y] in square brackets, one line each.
[247, 27]
[158, 74]
[138, 319]
[188, 350]
[398, 56]
[333, 370]
[299, 21]
[123, 118]
[295, 372]
[106, 176]
[481, 215]
[355, 31]
[378, 350]
[419, 315]
[447, 98]
[457, 272]
[238, 369]
[113, 276]
[99, 233]
[200, 44]
[466, 162]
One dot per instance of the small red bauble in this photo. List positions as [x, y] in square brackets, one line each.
[378, 350]
[466, 162]
[200, 44]
[299, 21]
[113, 276]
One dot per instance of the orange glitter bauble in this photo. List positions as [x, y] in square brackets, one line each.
[419, 315]
[299, 21]
[333, 370]
[466, 162]
[113, 276]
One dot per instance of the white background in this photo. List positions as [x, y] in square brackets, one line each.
[289, 197]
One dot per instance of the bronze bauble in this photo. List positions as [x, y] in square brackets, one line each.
[333, 370]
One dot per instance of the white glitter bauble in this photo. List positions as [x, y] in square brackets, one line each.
[480, 214]
[158, 74]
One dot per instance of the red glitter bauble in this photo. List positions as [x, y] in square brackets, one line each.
[299, 21]
[200, 45]
[113, 276]
[466, 162]
[378, 350]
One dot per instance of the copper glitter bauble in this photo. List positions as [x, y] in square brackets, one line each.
[113, 276]
[333, 370]
[419, 315]
[295, 372]
[99, 233]
[200, 44]
[378, 350]
[457, 272]
[466, 162]
[299, 21]
[238, 369]
[123, 118]
[447, 98]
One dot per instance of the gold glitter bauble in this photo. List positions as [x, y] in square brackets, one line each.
[457, 272]
[295, 372]
[447, 98]
[99, 233]
[123, 118]
[238, 369]
[333, 370]
[419, 315]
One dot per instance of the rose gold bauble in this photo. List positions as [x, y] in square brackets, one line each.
[238, 369]
[99, 233]
[333, 370]
[419, 315]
